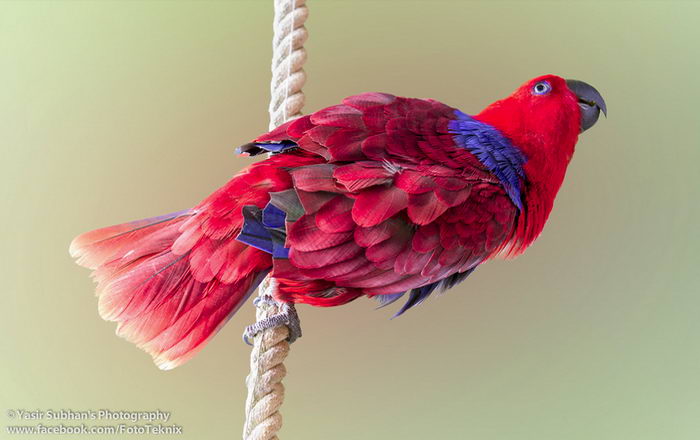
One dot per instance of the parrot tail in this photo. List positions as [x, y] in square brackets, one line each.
[155, 294]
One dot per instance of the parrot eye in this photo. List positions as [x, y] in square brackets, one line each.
[541, 88]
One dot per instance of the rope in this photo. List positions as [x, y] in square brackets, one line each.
[270, 347]
[288, 56]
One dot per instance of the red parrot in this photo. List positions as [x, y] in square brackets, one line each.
[379, 196]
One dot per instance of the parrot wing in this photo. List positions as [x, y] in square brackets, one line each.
[397, 206]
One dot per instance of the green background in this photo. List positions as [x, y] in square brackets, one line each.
[117, 111]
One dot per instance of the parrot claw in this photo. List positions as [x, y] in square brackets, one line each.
[287, 316]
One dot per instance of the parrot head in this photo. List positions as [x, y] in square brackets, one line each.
[543, 118]
[546, 113]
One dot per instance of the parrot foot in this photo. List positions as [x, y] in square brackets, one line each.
[287, 316]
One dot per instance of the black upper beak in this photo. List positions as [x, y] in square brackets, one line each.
[589, 100]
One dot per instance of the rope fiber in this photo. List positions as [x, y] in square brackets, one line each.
[270, 347]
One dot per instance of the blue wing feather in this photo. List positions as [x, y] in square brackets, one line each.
[493, 150]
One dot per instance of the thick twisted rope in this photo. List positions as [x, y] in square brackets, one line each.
[270, 347]
[288, 57]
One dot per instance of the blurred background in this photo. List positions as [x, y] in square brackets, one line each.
[113, 111]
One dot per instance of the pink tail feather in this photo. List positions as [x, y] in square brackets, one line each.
[151, 291]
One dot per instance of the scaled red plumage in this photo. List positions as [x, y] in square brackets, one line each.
[376, 196]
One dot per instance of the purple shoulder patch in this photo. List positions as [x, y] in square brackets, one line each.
[493, 150]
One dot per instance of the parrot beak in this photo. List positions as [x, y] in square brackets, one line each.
[589, 100]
